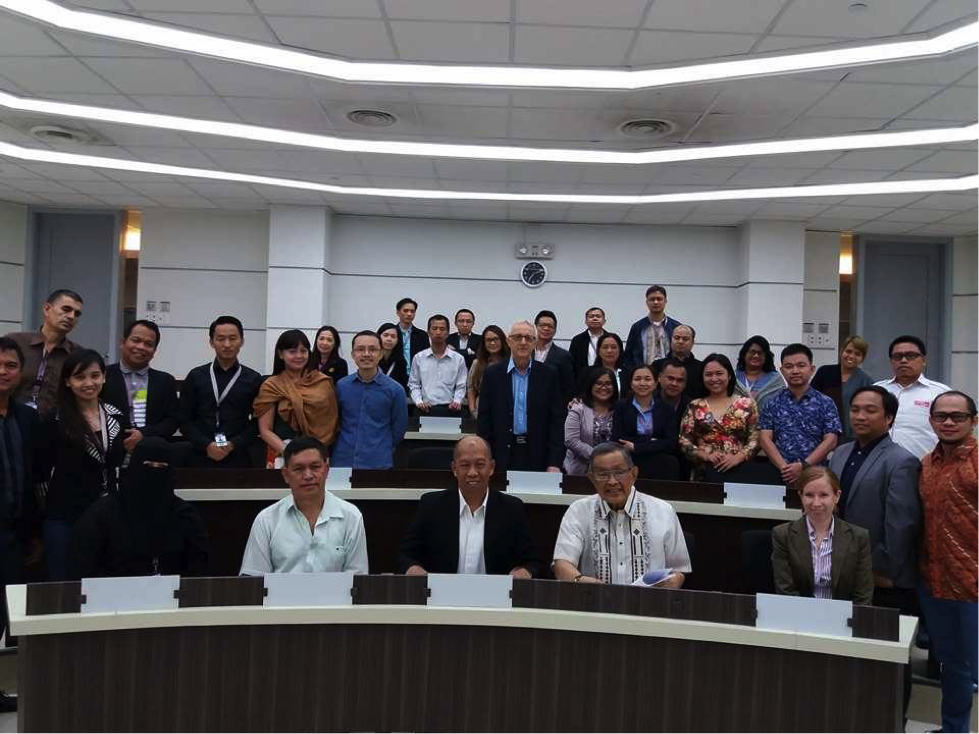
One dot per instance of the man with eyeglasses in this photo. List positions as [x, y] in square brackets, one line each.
[373, 413]
[619, 534]
[915, 394]
[947, 590]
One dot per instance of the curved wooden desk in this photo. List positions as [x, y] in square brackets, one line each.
[609, 659]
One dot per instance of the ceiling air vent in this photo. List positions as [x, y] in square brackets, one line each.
[647, 128]
[372, 118]
[56, 135]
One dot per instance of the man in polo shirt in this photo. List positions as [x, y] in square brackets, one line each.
[311, 530]
[915, 394]
[799, 425]
[45, 351]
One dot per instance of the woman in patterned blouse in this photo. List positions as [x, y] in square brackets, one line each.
[720, 430]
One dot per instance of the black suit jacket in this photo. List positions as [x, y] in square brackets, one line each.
[578, 351]
[162, 405]
[625, 420]
[695, 374]
[546, 411]
[26, 520]
[419, 343]
[432, 540]
[560, 360]
[469, 354]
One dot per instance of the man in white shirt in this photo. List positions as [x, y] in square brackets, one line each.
[311, 530]
[438, 374]
[619, 534]
[915, 393]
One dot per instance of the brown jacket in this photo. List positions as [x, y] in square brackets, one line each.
[32, 345]
[852, 577]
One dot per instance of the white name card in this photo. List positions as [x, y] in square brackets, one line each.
[439, 424]
[308, 589]
[534, 482]
[804, 614]
[129, 594]
[469, 590]
[754, 495]
[339, 477]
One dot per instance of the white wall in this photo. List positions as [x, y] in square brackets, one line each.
[965, 364]
[821, 294]
[206, 264]
[13, 243]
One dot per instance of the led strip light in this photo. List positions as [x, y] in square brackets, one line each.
[132, 30]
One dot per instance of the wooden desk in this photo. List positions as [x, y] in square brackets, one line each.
[564, 658]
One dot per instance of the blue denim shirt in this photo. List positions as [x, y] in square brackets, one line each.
[798, 427]
[373, 418]
[519, 383]
[644, 419]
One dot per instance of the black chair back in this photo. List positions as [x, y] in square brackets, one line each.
[756, 562]
[430, 457]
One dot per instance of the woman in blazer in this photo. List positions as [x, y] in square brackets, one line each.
[841, 380]
[392, 361]
[844, 569]
[589, 420]
[83, 449]
[647, 428]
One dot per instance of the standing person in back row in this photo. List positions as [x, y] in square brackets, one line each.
[216, 402]
[650, 337]
[463, 340]
[438, 374]
[584, 346]
[411, 339]
[46, 350]
[549, 352]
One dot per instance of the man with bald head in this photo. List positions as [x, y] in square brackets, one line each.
[472, 529]
[522, 408]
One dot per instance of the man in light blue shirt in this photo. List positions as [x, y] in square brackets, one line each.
[373, 413]
[310, 530]
[519, 380]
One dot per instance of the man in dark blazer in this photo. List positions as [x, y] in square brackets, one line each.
[522, 409]
[583, 348]
[465, 321]
[550, 353]
[411, 339]
[635, 346]
[681, 349]
[472, 529]
[146, 396]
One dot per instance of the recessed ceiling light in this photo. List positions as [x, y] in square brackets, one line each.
[372, 118]
[859, 7]
[678, 154]
[648, 128]
[135, 30]
[964, 183]
[56, 135]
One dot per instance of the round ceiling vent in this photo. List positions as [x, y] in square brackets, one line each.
[647, 127]
[56, 135]
[372, 118]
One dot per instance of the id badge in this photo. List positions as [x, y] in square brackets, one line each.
[31, 404]
[220, 440]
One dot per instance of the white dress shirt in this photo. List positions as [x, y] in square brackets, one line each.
[541, 354]
[472, 526]
[911, 429]
[438, 380]
[282, 542]
[593, 347]
[666, 546]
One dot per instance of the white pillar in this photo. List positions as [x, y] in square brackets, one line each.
[298, 275]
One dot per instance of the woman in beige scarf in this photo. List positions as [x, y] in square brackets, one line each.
[297, 400]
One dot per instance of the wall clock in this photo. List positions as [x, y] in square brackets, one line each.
[533, 274]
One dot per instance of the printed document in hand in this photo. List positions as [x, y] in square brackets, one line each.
[652, 578]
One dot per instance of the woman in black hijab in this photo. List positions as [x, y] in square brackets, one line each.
[145, 530]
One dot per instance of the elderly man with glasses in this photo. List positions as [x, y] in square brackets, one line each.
[619, 535]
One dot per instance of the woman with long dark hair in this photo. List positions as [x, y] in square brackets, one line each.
[589, 420]
[492, 348]
[82, 448]
[610, 354]
[756, 375]
[298, 399]
[392, 361]
[329, 359]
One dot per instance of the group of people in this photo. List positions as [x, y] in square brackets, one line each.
[886, 471]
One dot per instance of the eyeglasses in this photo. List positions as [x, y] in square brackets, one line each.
[618, 474]
[956, 417]
[604, 384]
[523, 338]
[902, 356]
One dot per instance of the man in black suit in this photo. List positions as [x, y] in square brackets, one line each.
[464, 341]
[584, 346]
[147, 396]
[522, 409]
[550, 353]
[472, 529]
[681, 349]
[411, 339]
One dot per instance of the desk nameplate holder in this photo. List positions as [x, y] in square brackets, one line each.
[440, 424]
[469, 590]
[308, 589]
[534, 482]
[804, 614]
[754, 495]
[129, 594]
[339, 477]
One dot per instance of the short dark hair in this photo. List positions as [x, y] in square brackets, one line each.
[67, 293]
[10, 345]
[762, 343]
[591, 378]
[887, 399]
[365, 332]
[947, 394]
[464, 310]
[910, 339]
[403, 301]
[291, 339]
[222, 320]
[660, 365]
[545, 314]
[724, 362]
[303, 443]
[793, 349]
[595, 308]
[438, 317]
[146, 324]
[656, 289]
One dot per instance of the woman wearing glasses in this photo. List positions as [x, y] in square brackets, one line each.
[756, 374]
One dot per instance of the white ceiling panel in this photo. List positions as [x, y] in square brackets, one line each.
[114, 5]
[792, 160]
[816, 126]
[333, 8]
[570, 99]
[20, 38]
[173, 156]
[80, 200]
[197, 107]
[609, 13]
[861, 213]
[821, 18]
[465, 97]
[66, 173]
[831, 176]
[54, 75]
[248, 160]
[946, 161]
[450, 168]
[249, 27]
[570, 46]
[884, 200]
[884, 160]
[776, 96]
[694, 98]
[709, 15]
[935, 71]
[309, 161]
[944, 229]
[705, 219]
[43, 186]
[685, 175]
[240, 205]
[750, 177]
[596, 215]
[127, 135]
[215, 6]
[942, 12]
[965, 219]
[278, 195]
[223, 189]
[790, 210]
[879, 226]
[916, 216]
[951, 202]
[954, 103]
[631, 176]
[658, 47]
[545, 172]
[82, 45]
[552, 124]
[417, 210]
[154, 189]
[444, 42]
[866, 100]
[102, 189]
[295, 114]
[497, 11]
[470, 122]
[772, 43]
[184, 202]
[150, 76]
[721, 128]
[657, 215]
[238, 80]
[474, 211]
[358, 39]
[392, 165]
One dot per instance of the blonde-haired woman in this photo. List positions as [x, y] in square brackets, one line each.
[839, 381]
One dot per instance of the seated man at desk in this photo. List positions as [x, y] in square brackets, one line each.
[472, 529]
[619, 534]
[310, 530]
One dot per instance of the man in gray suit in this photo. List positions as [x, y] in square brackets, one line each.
[880, 493]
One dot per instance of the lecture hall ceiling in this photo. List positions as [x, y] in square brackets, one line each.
[38, 62]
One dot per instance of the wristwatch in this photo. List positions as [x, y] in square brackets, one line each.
[578, 577]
